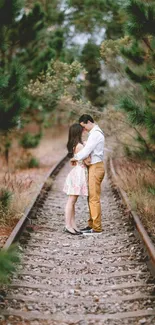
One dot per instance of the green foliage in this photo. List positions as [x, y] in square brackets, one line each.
[12, 98]
[151, 190]
[12, 8]
[149, 185]
[111, 49]
[150, 124]
[95, 85]
[12, 75]
[144, 152]
[40, 37]
[8, 260]
[52, 11]
[30, 25]
[141, 64]
[59, 80]
[87, 15]
[134, 53]
[136, 77]
[141, 18]
[136, 113]
[38, 43]
[57, 41]
[33, 39]
[5, 197]
[137, 49]
[128, 151]
[33, 163]
[30, 141]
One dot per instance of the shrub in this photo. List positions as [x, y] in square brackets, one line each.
[29, 140]
[33, 163]
[5, 197]
[8, 259]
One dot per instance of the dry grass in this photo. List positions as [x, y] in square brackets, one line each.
[135, 176]
[138, 180]
[21, 192]
[24, 183]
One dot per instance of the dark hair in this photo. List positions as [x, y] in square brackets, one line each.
[74, 137]
[85, 118]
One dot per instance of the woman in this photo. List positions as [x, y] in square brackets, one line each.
[77, 180]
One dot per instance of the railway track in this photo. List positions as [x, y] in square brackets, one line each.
[99, 279]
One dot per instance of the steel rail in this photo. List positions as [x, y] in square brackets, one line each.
[146, 240]
[20, 224]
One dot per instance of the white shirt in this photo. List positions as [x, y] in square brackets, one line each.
[94, 146]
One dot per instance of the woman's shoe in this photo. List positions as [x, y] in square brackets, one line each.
[69, 232]
[78, 232]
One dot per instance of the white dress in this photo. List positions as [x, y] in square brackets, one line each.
[77, 180]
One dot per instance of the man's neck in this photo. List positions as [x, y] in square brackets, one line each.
[93, 124]
[92, 127]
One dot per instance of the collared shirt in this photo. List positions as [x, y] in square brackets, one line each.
[94, 146]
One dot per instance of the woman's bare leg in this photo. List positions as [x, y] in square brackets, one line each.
[70, 212]
[74, 226]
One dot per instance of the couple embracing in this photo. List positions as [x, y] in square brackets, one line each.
[86, 175]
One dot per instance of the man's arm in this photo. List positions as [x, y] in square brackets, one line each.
[86, 151]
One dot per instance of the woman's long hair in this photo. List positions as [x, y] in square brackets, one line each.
[74, 137]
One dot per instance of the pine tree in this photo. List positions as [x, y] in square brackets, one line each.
[38, 44]
[91, 17]
[87, 15]
[27, 41]
[94, 89]
[40, 36]
[140, 59]
[12, 98]
[53, 14]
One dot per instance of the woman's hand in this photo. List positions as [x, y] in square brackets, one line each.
[73, 161]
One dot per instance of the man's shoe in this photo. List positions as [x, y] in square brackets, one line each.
[91, 232]
[86, 228]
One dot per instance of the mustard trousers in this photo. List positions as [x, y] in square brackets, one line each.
[96, 175]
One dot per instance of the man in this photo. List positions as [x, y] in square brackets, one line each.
[95, 148]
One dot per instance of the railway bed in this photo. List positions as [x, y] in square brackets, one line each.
[98, 279]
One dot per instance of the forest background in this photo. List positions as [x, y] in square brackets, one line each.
[59, 59]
